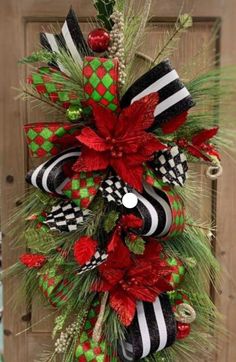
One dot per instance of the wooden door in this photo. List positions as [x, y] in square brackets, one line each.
[19, 26]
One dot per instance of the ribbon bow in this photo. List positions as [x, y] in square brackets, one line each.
[120, 137]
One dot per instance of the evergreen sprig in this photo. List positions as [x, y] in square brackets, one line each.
[42, 56]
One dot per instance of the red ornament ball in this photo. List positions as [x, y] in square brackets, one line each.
[183, 330]
[98, 40]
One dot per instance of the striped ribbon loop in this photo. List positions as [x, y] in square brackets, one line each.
[155, 210]
[174, 98]
[152, 330]
[70, 38]
[50, 176]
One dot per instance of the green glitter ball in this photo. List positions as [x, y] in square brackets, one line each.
[74, 113]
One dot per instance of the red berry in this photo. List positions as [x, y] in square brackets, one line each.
[183, 330]
[182, 143]
[98, 40]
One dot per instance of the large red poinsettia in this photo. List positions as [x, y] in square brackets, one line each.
[126, 278]
[120, 140]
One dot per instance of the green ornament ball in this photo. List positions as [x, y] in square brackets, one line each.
[74, 113]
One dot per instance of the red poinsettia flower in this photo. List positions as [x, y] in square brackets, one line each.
[33, 261]
[201, 140]
[120, 140]
[200, 146]
[126, 279]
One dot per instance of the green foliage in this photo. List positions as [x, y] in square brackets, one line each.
[42, 56]
[136, 246]
[105, 10]
[111, 220]
[113, 329]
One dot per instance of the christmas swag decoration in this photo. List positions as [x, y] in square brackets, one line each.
[109, 243]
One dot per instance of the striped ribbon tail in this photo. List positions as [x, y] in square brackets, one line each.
[152, 330]
[50, 176]
[70, 38]
[174, 98]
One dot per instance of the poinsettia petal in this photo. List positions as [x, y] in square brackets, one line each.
[204, 135]
[119, 258]
[131, 175]
[105, 119]
[90, 138]
[174, 123]
[101, 285]
[91, 160]
[111, 275]
[138, 116]
[194, 151]
[136, 159]
[151, 145]
[66, 141]
[143, 292]
[113, 243]
[142, 142]
[153, 249]
[124, 305]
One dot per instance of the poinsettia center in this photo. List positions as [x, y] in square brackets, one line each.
[115, 148]
[127, 283]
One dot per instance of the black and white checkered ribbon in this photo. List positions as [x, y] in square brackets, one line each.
[154, 209]
[171, 165]
[50, 176]
[66, 217]
[152, 330]
[174, 98]
[113, 189]
[98, 258]
[71, 39]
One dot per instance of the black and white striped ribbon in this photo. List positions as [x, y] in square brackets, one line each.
[154, 209]
[71, 39]
[152, 330]
[50, 176]
[174, 98]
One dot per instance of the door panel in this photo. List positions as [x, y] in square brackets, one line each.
[27, 19]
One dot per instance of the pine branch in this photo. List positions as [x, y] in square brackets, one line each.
[135, 24]
[42, 56]
[28, 93]
[183, 23]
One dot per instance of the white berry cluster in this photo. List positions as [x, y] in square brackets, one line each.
[63, 342]
[116, 49]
